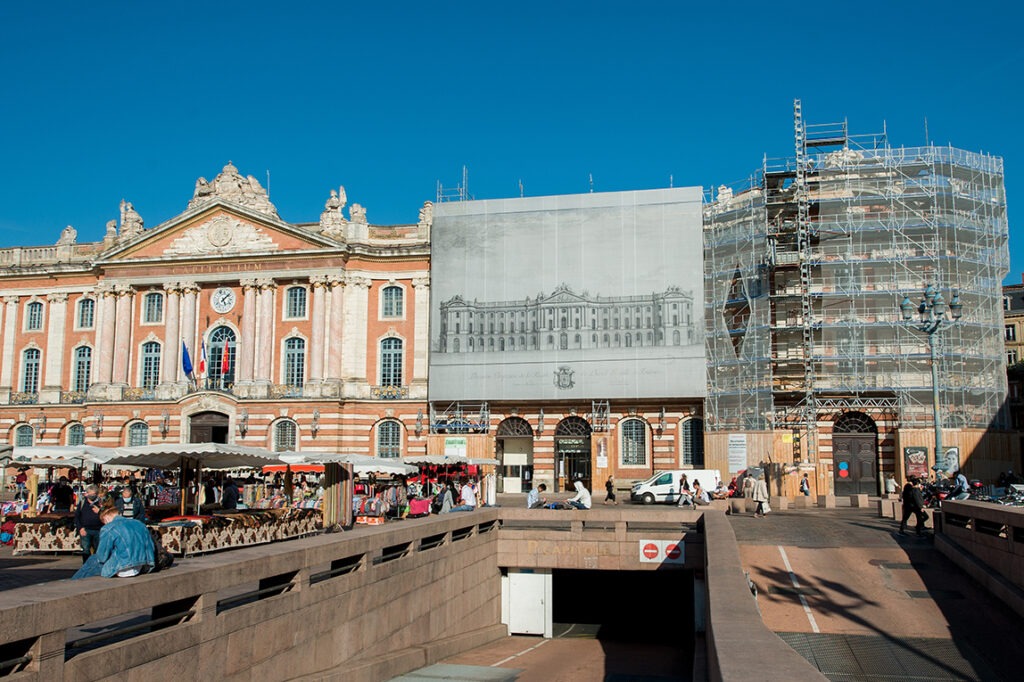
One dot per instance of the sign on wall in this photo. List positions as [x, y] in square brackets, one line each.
[662, 552]
[455, 446]
[915, 462]
[568, 297]
[737, 452]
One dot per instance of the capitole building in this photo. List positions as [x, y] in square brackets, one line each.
[313, 336]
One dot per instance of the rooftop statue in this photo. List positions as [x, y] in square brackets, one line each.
[68, 235]
[229, 185]
[332, 222]
[131, 221]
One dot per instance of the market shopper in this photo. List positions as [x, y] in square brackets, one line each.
[229, 494]
[125, 548]
[759, 494]
[87, 521]
[913, 504]
[129, 505]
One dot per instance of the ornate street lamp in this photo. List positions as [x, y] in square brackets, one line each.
[933, 315]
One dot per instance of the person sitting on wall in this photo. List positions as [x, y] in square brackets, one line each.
[126, 548]
[700, 496]
[534, 499]
[468, 495]
[582, 498]
[720, 492]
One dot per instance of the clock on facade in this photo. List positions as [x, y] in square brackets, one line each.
[223, 300]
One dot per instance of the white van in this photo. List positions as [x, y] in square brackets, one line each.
[663, 486]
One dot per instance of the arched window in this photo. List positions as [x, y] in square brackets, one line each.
[82, 369]
[150, 364]
[222, 340]
[389, 439]
[76, 434]
[634, 442]
[138, 434]
[693, 442]
[629, 340]
[285, 435]
[391, 302]
[24, 435]
[34, 316]
[86, 313]
[295, 302]
[676, 338]
[294, 361]
[153, 308]
[455, 345]
[501, 344]
[391, 359]
[30, 370]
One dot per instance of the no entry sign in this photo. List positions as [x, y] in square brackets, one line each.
[662, 552]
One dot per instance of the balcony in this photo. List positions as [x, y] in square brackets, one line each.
[286, 391]
[24, 398]
[389, 392]
[72, 397]
[133, 394]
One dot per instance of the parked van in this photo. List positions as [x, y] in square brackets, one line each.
[664, 486]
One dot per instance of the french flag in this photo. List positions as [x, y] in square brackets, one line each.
[202, 361]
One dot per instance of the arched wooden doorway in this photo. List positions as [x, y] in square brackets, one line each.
[855, 455]
[572, 452]
[514, 445]
[209, 427]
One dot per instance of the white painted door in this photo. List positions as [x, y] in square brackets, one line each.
[529, 603]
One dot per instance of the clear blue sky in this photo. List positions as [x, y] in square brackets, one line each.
[108, 100]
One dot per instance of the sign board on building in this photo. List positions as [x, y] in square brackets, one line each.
[915, 462]
[662, 552]
[568, 297]
[455, 447]
[737, 452]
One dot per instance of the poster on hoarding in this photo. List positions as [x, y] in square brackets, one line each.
[568, 297]
[737, 452]
[455, 446]
[916, 462]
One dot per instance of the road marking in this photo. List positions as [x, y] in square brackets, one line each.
[525, 651]
[796, 584]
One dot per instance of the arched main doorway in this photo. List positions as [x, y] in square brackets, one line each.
[855, 455]
[572, 452]
[515, 452]
[208, 427]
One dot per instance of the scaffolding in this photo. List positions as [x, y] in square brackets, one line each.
[805, 267]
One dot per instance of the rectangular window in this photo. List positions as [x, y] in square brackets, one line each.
[1011, 357]
[391, 302]
[153, 310]
[34, 316]
[1010, 332]
[86, 313]
[83, 367]
[296, 303]
[150, 364]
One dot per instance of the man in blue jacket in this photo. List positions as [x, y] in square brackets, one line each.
[126, 548]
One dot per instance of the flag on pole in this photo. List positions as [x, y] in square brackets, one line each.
[186, 361]
[202, 361]
[225, 360]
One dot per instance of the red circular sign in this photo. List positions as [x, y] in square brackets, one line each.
[673, 551]
[843, 473]
[650, 550]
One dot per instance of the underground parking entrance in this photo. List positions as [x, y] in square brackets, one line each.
[659, 611]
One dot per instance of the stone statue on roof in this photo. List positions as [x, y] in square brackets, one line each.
[68, 235]
[357, 214]
[427, 214]
[332, 222]
[229, 185]
[131, 221]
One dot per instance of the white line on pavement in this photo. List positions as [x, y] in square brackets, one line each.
[525, 651]
[796, 584]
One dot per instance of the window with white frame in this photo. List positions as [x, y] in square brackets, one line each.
[30, 370]
[153, 308]
[391, 301]
[34, 316]
[295, 302]
[24, 436]
[150, 364]
[389, 439]
[285, 435]
[294, 361]
[138, 434]
[693, 442]
[634, 442]
[82, 369]
[391, 357]
[76, 435]
[1011, 356]
[86, 313]
[1010, 332]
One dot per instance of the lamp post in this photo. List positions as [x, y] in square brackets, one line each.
[933, 315]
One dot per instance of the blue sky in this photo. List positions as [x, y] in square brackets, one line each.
[101, 101]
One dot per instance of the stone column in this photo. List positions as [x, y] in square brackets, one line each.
[122, 334]
[57, 307]
[319, 319]
[187, 319]
[353, 353]
[421, 339]
[245, 351]
[171, 374]
[265, 354]
[336, 329]
[10, 330]
[105, 298]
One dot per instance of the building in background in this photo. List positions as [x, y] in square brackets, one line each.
[299, 336]
[810, 363]
[1013, 336]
